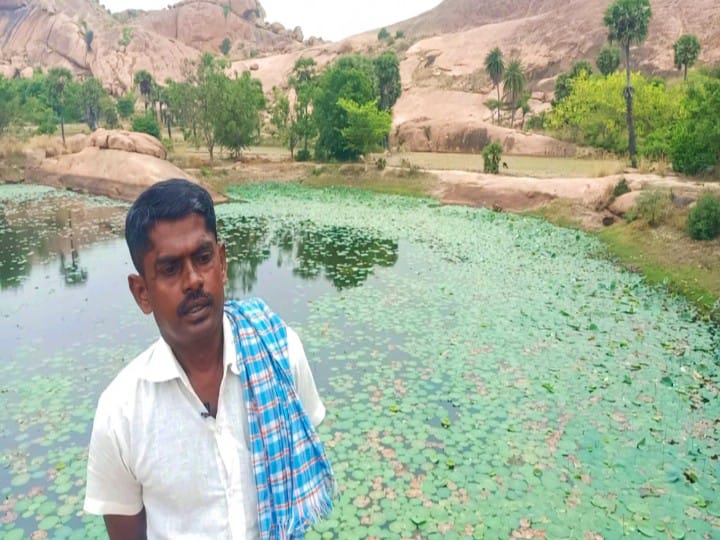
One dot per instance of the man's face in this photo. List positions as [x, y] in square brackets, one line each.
[183, 285]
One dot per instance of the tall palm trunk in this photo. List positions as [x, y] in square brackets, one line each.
[499, 102]
[632, 145]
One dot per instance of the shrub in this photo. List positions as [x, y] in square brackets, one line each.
[652, 207]
[303, 155]
[492, 156]
[225, 46]
[704, 219]
[399, 34]
[146, 124]
[383, 34]
[621, 188]
[381, 163]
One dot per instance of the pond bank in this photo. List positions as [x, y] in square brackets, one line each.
[664, 255]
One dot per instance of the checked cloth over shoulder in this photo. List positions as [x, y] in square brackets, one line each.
[294, 479]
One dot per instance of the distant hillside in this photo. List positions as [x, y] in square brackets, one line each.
[48, 33]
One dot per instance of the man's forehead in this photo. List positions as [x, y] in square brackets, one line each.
[188, 230]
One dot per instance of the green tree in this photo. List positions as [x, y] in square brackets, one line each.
[238, 124]
[351, 78]
[108, 112]
[210, 85]
[146, 124]
[695, 145]
[304, 82]
[383, 34]
[92, 94]
[387, 71]
[564, 81]
[126, 37]
[282, 118]
[628, 22]
[608, 60]
[687, 50]
[183, 103]
[8, 104]
[514, 85]
[225, 46]
[58, 79]
[495, 68]
[367, 126]
[595, 113]
[126, 105]
[144, 81]
[492, 156]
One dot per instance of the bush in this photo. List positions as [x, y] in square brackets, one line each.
[303, 155]
[399, 34]
[704, 219]
[383, 34]
[652, 207]
[381, 163]
[146, 124]
[492, 156]
[621, 188]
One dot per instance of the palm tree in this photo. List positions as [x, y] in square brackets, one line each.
[495, 67]
[514, 86]
[627, 22]
[58, 79]
[687, 50]
[145, 81]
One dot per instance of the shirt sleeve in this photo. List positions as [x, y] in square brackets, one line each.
[111, 486]
[304, 381]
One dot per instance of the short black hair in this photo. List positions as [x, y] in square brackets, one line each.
[169, 200]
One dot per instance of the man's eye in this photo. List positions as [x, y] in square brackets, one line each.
[169, 269]
[205, 258]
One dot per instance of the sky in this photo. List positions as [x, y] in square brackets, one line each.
[329, 19]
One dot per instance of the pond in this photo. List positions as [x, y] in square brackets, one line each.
[485, 374]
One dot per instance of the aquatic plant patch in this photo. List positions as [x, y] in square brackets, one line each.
[485, 374]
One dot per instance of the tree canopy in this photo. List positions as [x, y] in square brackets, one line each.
[495, 68]
[687, 50]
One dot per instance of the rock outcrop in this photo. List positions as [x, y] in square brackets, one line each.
[49, 33]
[115, 164]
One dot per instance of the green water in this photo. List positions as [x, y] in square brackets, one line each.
[483, 373]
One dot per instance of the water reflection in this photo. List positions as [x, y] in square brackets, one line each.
[35, 231]
[344, 256]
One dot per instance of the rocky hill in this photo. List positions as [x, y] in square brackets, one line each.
[49, 33]
[442, 53]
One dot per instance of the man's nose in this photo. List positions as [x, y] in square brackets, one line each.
[192, 278]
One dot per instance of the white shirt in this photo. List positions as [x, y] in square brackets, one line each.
[152, 448]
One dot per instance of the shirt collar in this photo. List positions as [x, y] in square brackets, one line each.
[162, 366]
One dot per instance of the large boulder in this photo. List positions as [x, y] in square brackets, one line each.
[624, 203]
[113, 163]
[127, 141]
[111, 173]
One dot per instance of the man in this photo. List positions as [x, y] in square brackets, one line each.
[210, 432]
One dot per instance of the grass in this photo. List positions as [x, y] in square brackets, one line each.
[539, 167]
[400, 181]
[666, 256]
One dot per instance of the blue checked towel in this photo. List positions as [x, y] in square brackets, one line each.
[293, 476]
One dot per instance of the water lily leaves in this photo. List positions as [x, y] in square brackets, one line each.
[467, 360]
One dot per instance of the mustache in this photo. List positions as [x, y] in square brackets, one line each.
[193, 299]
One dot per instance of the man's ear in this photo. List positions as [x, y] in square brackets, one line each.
[223, 261]
[140, 293]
